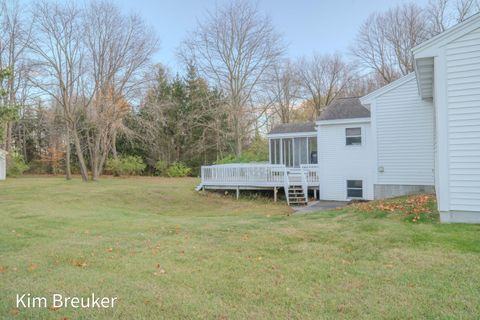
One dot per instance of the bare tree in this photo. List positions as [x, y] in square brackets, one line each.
[59, 66]
[234, 48]
[284, 90]
[438, 16]
[465, 8]
[15, 34]
[323, 78]
[385, 40]
[442, 14]
[118, 51]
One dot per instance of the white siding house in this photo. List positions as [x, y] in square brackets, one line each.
[448, 73]
[403, 131]
[345, 151]
[3, 164]
[420, 133]
[340, 163]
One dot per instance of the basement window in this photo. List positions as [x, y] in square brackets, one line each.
[353, 136]
[355, 189]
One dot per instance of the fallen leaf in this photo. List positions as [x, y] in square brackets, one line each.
[79, 263]
[33, 266]
[3, 269]
[14, 311]
[110, 249]
[52, 308]
[160, 272]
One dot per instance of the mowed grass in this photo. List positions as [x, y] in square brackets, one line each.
[168, 252]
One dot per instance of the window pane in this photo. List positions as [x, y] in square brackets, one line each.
[312, 147]
[354, 183]
[354, 141]
[278, 151]
[287, 152]
[353, 131]
[303, 151]
[301, 155]
[296, 146]
[355, 193]
[272, 151]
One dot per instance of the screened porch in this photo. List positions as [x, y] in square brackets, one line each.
[293, 151]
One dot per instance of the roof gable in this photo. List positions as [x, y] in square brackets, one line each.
[293, 128]
[344, 108]
[395, 84]
[428, 48]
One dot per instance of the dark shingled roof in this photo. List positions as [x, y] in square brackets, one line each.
[293, 127]
[344, 108]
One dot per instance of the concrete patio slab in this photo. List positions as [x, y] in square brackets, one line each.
[316, 206]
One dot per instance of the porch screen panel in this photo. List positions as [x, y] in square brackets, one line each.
[312, 150]
[275, 151]
[301, 152]
[288, 152]
[278, 152]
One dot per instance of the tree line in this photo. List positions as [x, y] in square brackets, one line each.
[79, 85]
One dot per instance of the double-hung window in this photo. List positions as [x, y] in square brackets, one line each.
[353, 136]
[355, 189]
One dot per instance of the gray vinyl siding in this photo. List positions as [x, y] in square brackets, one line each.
[404, 126]
[463, 100]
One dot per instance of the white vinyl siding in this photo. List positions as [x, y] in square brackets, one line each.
[463, 105]
[3, 165]
[405, 136]
[339, 162]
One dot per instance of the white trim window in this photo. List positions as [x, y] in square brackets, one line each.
[353, 136]
[355, 189]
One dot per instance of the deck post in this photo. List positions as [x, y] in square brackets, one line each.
[238, 193]
[275, 191]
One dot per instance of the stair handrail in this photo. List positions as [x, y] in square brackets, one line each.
[286, 184]
[304, 184]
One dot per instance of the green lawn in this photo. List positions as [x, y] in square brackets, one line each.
[168, 252]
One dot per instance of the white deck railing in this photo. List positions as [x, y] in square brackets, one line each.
[254, 175]
[312, 173]
[244, 175]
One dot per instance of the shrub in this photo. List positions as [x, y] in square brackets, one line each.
[130, 165]
[178, 169]
[16, 166]
[161, 168]
[256, 152]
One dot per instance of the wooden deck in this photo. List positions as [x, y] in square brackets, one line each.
[252, 176]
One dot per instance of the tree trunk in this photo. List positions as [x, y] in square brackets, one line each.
[24, 143]
[238, 136]
[68, 171]
[94, 165]
[8, 143]
[81, 159]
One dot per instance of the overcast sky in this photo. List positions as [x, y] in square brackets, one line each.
[307, 25]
